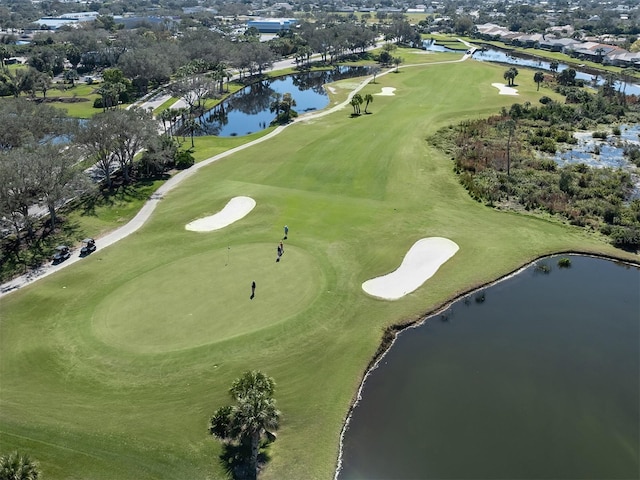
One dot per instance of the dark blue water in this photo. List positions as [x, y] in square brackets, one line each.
[540, 380]
[248, 110]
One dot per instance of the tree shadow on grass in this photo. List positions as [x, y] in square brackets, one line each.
[235, 460]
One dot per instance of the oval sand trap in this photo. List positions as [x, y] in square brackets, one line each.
[387, 91]
[504, 90]
[420, 263]
[237, 208]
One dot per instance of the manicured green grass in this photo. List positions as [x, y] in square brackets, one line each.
[166, 105]
[78, 90]
[101, 214]
[83, 109]
[206, 147]
[104, 373]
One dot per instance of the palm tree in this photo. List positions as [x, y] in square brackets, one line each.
[255, 414]
[219, 75]
[276, 103]
[397, 61]
[368, 98]
[166, 116]
[356, 101]
[286, 105]
[18, 467]
[553, 66]
[538, 77]
[191, 126]
[508, 76]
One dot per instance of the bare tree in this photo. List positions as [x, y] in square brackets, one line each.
[193, 89]
[59, 177]
[98, 143]
[112, 143]
[18, 188]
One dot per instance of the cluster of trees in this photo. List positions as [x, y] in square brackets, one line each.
[357, 100]
[150, 55]
[27, 80]
[44, 157]
[35, 169]
[497, 163]
[510, 75]
[282, 106]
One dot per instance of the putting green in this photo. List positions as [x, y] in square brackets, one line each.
[205, 298]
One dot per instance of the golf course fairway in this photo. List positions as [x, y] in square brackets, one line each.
[112, 367]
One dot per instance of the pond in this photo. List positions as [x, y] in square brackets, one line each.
[500, 56]
[610, 152]
[248, 110]
[536, 376]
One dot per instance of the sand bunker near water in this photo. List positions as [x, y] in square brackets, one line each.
[504, 90]
[237, 208]
[420, 263]
[387, 91]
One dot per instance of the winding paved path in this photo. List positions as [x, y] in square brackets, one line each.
[148, 208]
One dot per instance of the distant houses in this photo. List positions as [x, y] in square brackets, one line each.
[594, 51]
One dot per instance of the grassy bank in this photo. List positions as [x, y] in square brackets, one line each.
[112, 367]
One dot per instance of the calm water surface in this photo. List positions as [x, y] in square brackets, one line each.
[539, 380]
[248, 110]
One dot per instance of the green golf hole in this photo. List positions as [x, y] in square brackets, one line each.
[206, 298]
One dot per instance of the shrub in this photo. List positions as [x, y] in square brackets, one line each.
[564, 262]
[545, 100]
[599, 134]
[548, 145]
[184, 159]
[542, 268]
[562, 136]
[626, 237]
[616, 131]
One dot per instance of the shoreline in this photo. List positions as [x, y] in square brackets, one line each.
[392, 331]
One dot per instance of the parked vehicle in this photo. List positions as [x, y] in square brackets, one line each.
[88, 247]
[62, 253]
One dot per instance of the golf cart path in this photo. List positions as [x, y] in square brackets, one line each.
[145, 212]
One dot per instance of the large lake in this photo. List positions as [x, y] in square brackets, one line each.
[540, 380]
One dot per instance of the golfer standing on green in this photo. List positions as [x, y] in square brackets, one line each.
[286, 232]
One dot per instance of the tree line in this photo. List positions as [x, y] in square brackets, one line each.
[149, 56]
[48, 159]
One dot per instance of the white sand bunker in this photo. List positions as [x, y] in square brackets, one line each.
[331, 89]
[237, 208]
[387, 91]
[420, 263]
[504, 90]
